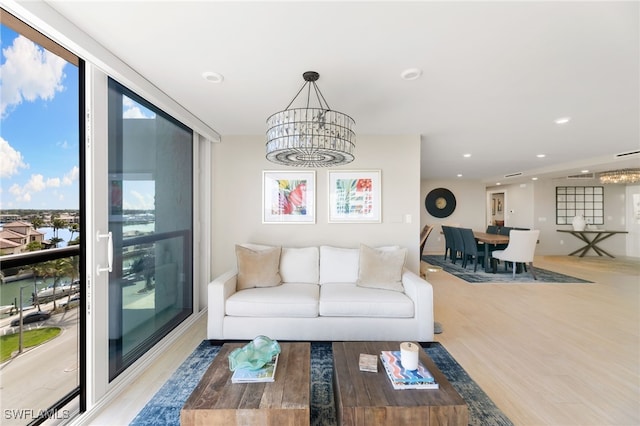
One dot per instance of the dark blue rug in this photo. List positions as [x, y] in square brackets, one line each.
[164, 408]
[501, 276]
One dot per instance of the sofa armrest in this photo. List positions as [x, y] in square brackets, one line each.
[421, 292]
[218, 291]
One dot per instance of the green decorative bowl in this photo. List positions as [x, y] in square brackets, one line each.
[254, 355]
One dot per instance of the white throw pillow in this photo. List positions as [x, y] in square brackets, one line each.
[338, 265]
[381, 268]
[299, 265]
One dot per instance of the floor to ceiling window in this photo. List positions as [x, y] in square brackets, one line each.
[41, 229]
[151, 225]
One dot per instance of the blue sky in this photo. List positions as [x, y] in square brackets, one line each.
[39, 152]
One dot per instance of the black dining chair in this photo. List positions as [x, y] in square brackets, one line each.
[504, 230]
[472, 249]
[492, 229]
[448, 242]
[458, 249]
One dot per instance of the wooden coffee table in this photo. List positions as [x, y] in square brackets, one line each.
[369, 399]
[217, 401]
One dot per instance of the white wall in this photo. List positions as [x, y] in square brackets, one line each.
[238, 163]
[469, 211]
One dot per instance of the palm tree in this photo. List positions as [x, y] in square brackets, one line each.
[64, 267]
[55, 240]
[57, 224]
[37, 222]
[75, 273]
[145, 265]
[73, 228]
[39, 270]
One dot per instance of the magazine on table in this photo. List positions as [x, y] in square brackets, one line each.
[267, 373]
[402, 378]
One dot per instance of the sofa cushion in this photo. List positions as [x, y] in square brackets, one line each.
[381, 268]
[285, 300]
[348, 300]
[338, 265]
[258, 268]
[299, 265]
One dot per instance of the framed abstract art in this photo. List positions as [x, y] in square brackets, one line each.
[354, 196]
[288, 197]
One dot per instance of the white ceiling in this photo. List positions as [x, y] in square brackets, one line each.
[495, 74]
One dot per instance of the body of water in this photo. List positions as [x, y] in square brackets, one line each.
[10, 292]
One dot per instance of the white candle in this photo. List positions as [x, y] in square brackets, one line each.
[409, 355]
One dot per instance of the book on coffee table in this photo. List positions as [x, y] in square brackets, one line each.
[402, 378]
[267, 373]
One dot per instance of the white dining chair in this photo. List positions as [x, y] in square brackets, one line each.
[521, 249]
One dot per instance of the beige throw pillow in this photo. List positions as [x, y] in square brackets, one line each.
[258, 268]
[381, 268]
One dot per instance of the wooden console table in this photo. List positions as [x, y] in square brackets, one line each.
[598, 236]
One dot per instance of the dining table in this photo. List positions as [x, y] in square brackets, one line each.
[489, 239]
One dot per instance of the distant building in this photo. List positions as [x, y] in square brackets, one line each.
[8, 218]
[68, 218]
[15, 236]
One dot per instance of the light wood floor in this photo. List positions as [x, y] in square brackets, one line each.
[546, 354]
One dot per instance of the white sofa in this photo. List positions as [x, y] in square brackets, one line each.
[322, 296]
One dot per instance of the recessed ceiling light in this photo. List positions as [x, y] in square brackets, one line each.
[212, 77]
[459, 175]
[498, 183]
[411, 74]
[534, 178]
[541, 155]
[467, 155]
[562, 120]
[584, 171]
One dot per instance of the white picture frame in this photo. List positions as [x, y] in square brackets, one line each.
[288, 197]
[355, 196]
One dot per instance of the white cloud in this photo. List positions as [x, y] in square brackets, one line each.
[53, 182]
[21, 194]
[29, 73]
[10, 160]
[36, 183]
[63, 145]
[132, 109]
[133, 112]
[71, 176]
[138, 201]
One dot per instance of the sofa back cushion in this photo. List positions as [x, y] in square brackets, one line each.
[338, 265]
[258, 268]
[299, 265]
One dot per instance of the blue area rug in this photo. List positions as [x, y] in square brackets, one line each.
[164, 408]
[501, 276]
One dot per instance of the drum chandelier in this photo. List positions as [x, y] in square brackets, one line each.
[310, 136]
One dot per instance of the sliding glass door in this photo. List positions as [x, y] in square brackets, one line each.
[150, 219]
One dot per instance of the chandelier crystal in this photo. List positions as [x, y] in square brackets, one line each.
[310, 137]
[620, 176]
